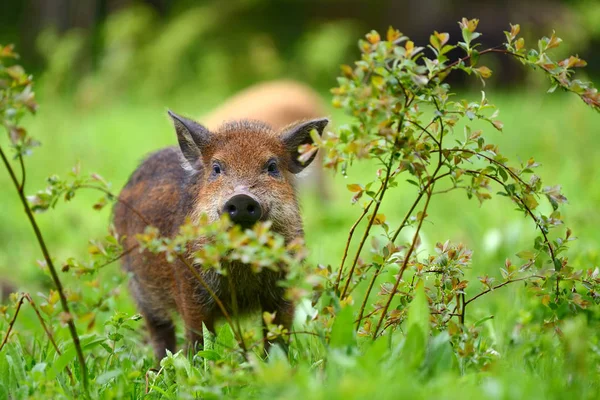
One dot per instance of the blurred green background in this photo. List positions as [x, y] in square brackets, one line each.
[107, 70]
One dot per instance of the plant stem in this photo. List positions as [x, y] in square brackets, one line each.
[491, 160]
[350, 235]
[48, 333]
[405, 262]
[366, 297]
[369, 225]
[12, 321]
[546, 240]
[51, 268]
[466, 303]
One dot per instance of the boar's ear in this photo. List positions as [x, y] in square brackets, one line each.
[298, 135]
[192, 137]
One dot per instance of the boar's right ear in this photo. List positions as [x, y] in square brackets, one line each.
[192, 137]
[298, 135]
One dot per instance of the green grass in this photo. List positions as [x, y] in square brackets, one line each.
[558, 131]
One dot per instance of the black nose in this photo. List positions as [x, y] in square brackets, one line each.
[243, 210]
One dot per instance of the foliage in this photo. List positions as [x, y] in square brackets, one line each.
[412, 336]
[405, 117]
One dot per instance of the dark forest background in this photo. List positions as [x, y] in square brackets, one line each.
[97, 47]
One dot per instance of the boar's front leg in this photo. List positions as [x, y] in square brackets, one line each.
[194, 316]
[162, 334]
[284, 316]
[158, 320]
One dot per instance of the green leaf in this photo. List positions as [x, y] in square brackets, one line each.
[440, 355]
[69, 354]
[209, 355]
[530, 201]
[342, 332]
[558, 264]
[107, 376]
[418, 313]
[526, 255]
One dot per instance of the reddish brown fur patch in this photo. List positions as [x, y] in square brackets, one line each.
[277, 103]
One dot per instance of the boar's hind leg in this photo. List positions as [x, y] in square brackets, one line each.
[284, 315]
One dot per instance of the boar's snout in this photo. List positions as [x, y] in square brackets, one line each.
[243, 210]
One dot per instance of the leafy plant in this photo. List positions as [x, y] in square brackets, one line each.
[406, 119]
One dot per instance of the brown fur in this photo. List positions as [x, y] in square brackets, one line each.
[165, 194]
[277, 103]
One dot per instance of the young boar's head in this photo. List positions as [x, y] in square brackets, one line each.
[246, 170]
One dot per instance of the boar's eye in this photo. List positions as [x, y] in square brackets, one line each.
[272, 168]
[216, 169]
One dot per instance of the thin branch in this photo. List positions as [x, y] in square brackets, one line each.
[464, 306]
[448, 190]
[546, 240]
[48, 333]
[501, 285]
[425, 130]
[117, 198]
[366, 297]
[496, 49]
[52, 269]
[12, 321]
[23, 173]
[384, 187]
[117, 258]
[416, 202]
[350, 235]
[404, 264]
[358, 320]
[491, 160]
[234, 305]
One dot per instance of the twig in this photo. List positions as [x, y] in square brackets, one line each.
[491, 160]
[12, 321]
[424, 129]
[369, 225]
[366, 297]
[350, 235]
[234, 305]
[546, 240]
[52, 269]
[496, 49]
[404, 263]
[48, 333]
[117, 198]
[501, 285]
[117, 258]
[416, 202]
[23, 173]
[461, 318]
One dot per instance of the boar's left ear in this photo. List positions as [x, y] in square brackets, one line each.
[298, 135]
[192, 137]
